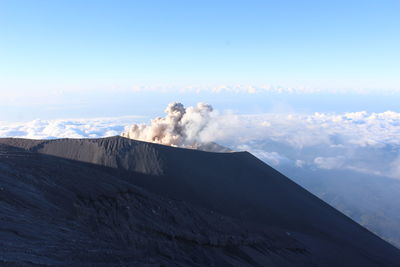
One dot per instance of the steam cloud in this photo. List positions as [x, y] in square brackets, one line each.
[182, 127]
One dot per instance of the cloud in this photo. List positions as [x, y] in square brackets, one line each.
[360, 141]
[329, 162]
[66, 128]
[232, 88]
[255, 89]
[355, 128]
[191, 127]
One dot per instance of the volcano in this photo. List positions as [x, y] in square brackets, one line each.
[121, 202]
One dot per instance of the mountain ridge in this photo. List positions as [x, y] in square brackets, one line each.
[236, 185]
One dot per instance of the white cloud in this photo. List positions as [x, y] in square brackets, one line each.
[360, 141]
[357, 128]
[329, 162]
[299, 163]
[254, 89]
[235, 88]
[66, 128]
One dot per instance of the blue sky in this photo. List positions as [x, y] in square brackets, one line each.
[71, 58]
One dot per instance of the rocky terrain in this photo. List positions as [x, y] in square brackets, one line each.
[121, 202]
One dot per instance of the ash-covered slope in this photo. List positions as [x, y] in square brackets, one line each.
[57, 212]
[97, 201]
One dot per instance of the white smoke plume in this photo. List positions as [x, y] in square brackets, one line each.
[182, 127]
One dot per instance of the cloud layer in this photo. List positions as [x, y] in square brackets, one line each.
[257, 89]
[66, 128]
[359, 141]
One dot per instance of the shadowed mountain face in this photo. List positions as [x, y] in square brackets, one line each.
[121, 202]
[373, 201]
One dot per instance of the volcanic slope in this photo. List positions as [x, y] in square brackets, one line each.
[121, 202]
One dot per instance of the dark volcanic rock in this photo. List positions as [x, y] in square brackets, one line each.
[120, 202]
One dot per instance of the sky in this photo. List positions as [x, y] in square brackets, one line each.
[74, 59]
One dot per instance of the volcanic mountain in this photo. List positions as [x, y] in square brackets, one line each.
[120, 202]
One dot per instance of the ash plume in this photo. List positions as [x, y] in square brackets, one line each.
[182, 127]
